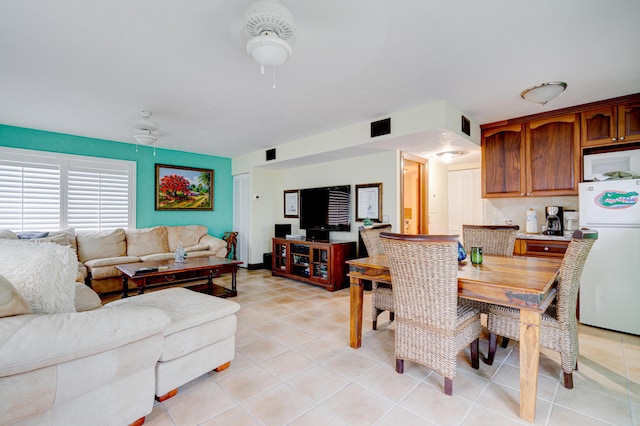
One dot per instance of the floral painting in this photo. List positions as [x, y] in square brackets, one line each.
[183, 188]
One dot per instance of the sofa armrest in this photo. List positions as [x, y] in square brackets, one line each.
[216, 245]
[29, 342]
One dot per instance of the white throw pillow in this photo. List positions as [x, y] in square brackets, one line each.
[10, 235]
[85, 298]
[44, 274]
[11, 302]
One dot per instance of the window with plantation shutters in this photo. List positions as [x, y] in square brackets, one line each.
[29, 195]
[47, 191]
[97, 196]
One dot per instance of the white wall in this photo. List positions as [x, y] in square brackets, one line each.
[409, 122]
[268, 186]
[503, 210]
[438, 194]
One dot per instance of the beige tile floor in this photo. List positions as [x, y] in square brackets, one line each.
[294, 366]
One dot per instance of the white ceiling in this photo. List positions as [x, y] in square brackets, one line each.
[87, 67]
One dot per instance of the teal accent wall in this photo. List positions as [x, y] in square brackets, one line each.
[217, 221]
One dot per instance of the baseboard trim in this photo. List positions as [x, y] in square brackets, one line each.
[254, 266]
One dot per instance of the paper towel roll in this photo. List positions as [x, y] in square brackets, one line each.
[531, 226]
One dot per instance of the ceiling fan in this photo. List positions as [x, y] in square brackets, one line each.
[269, 33]
[145, 130]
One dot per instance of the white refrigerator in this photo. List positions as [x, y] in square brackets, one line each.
[610, 285]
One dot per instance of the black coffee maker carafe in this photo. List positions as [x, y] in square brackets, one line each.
[555, 220]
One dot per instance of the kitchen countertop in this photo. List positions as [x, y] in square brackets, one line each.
[543, 237]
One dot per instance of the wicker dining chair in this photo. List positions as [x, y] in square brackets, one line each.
[495, 240]
[558, 325]
[431, 327]
[382, 294]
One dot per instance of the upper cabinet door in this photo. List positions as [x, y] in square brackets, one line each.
[503, 161]
[599, 126]
[553, 156]
[617, 124]
[629, 122]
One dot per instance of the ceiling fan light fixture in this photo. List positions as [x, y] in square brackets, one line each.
[269, 49]
[448, 156]
[543, 93]
[270, 25]
[145, 138]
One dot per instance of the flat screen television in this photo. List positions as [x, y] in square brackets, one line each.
[327, 208]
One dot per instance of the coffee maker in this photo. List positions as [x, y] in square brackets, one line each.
[555, 223]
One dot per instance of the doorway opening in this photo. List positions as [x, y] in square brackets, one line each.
[413, 198]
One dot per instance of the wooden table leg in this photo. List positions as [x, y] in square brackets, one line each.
[210, 282]
[355, 297]
[529, 362]
[125, 286]
[234, 271]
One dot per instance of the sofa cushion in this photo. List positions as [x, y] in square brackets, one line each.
[188, 235]
[11, 302]
[156, 257]
[101, 244]
[197, 247]
[147, 241]
[10, 235]
[197, 320]
[29, 342]
[102, 272]
[44, 273]
[55, 237]
[86, 299]
[110, 261]
[202, 253]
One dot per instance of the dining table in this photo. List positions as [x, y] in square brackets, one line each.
[523, 282]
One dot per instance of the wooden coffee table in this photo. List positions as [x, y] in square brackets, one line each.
[168, 272]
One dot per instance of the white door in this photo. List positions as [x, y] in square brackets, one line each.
[465, 199]
[241, 198]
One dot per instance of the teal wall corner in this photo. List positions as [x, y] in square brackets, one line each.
[217, 221]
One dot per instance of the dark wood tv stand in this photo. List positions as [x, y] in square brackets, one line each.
[319, 263]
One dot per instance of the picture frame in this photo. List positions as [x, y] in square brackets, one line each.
[292, 203]
[183, 188]
[369, 202]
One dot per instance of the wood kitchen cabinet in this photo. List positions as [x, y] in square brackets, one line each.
[535, 158]
[540, 248]
[553, 156]
[611, 125]
[503, 161]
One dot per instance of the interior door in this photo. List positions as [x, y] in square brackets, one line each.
[241, 198]
[413, 202]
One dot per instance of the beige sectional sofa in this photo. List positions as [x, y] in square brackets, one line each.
[65, 359]
[99, 251]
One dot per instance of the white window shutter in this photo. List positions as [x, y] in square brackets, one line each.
[42, 191]
[29, 196]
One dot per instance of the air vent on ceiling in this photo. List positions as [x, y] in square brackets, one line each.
[466, 126]
[380, 127]
[271, 154]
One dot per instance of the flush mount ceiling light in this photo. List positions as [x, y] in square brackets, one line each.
[270, 25]
[448, 156]
[543, 93]
[145, 131]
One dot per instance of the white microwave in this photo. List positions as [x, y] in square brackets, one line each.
[603, 166]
